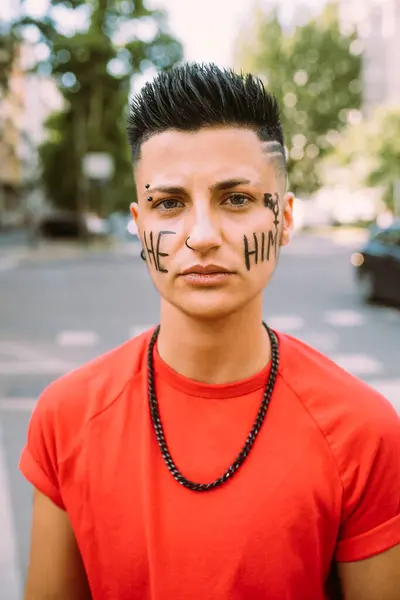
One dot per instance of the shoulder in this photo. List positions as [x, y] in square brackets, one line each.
[356, 421]
[324, 388]
[69, 403]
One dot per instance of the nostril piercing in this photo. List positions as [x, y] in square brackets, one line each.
[187, 245]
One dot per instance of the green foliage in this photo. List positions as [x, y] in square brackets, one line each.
[369, 151]
[93, 70]
[8, 49]
[316, 79]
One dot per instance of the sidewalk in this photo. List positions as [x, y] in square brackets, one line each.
[49, 251]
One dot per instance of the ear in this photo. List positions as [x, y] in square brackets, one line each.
[287, 218]
[134, 209]
[134, 224]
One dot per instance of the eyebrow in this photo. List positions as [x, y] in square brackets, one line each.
[219, 186]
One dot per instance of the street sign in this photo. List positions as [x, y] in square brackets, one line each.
[98, 165]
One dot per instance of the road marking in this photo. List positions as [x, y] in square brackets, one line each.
[30, 361]
[138, 330]
[344, 318]
[17, 404]
[43, 367]
[77, 339]
[358, 364]
[10, 582]
[323, 341]
[21, 351]
[285, 322]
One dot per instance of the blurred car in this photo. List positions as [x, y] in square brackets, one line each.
[69, 225]
[377, 265]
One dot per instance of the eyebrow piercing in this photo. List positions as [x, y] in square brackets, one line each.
[147, 186]
[150, 198]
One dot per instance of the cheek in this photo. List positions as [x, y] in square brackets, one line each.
[158, 249]
[260, 247]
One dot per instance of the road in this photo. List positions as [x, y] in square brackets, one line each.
[56, 314]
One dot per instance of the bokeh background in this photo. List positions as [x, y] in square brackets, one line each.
[72, 284]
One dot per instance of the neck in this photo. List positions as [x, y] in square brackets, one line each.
[229, 349]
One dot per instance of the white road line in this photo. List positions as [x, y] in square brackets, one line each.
[30, 361]
[358, 364]
[285, 323]
[21, 351]
[77, 339]
[138, 329]
[36, 367]
[17, 404]
[323, 341]
[344, 318]
[10, 581]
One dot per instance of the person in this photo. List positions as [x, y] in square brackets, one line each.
[212, 457]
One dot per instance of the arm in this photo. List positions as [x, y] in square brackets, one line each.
[56, 571]
[375, 578]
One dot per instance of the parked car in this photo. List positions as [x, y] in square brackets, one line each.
[377, 265]
[69, 225]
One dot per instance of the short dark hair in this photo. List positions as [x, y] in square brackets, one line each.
[193, 95]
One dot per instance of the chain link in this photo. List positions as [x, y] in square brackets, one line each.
[251, 438]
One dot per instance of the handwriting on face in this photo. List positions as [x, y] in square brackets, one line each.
[259, 250]
[154, 252]
[263, 242]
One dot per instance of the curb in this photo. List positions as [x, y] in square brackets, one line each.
[54, 253]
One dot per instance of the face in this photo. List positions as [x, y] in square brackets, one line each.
[211, 216]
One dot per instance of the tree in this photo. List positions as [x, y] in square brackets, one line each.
[93, 69]
[368, 154]
[8, 47]
[314, 71]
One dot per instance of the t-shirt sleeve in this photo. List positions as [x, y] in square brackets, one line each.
[370, 521]
[39, 460]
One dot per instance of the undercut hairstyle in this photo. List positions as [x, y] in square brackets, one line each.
[192, 96]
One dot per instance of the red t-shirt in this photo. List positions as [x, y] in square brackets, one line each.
[322, 481]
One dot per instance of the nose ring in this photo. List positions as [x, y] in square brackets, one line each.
[187, 245]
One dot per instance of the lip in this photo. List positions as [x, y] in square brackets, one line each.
[206, 270]
[207, 279]
[206, 275]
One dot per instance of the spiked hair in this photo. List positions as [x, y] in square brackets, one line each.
[193, 96]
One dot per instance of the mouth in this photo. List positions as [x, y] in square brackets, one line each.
[206, 275]
[206, 270]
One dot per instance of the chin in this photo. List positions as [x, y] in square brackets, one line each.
[209, 305]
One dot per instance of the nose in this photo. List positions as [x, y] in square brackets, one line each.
[205, 233]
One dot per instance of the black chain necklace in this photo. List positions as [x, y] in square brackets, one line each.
[159, 431]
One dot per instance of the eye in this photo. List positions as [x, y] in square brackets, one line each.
[238, 200]
[168, 204]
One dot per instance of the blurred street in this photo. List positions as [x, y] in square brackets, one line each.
[57, 313]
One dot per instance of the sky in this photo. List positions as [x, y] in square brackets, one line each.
[208, 29]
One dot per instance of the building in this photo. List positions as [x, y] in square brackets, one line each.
[11, 105]
[30, 99]
[378, 26]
